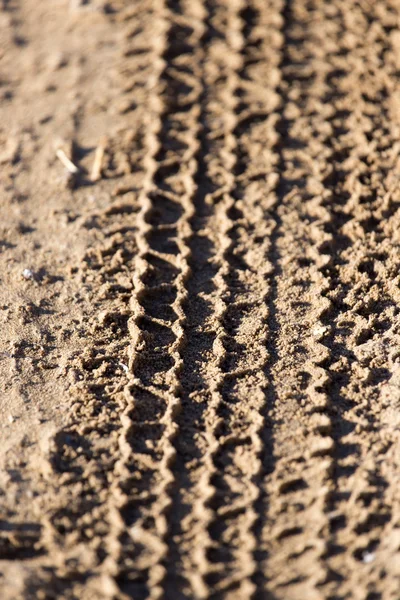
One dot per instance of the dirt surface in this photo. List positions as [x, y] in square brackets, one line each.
[199, 299]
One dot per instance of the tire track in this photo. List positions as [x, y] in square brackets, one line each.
[321, 175]
[240, 406]
[241, 377]
[210, 223]
[363, 314]
[228, 376]
[143, 477]
[182, 578]
[218, 572]
[297, 476]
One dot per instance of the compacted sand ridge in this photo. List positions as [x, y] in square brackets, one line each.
[199, 299]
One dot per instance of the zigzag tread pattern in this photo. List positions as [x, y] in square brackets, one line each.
[234, 431]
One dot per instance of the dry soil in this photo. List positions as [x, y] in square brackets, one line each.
[199, 299]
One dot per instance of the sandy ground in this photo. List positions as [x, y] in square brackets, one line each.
[199, 299]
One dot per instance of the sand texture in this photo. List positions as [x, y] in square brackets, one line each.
[199, 300]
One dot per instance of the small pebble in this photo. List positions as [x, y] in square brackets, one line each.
[27, 274]
[11, 419]
[368, 557]
[320, 330]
